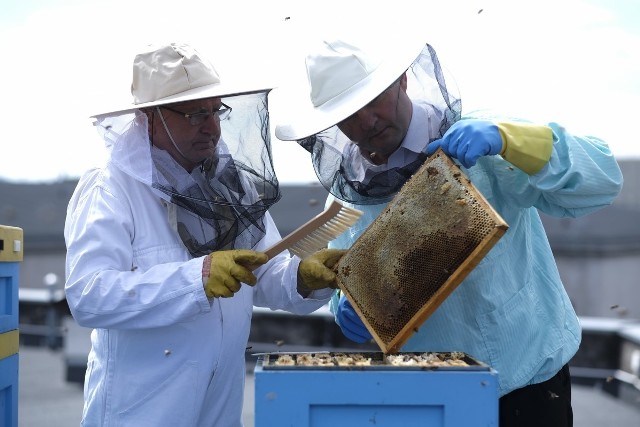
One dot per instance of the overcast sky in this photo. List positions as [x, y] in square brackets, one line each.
[575, 62]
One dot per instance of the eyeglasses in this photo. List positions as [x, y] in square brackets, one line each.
[201, 116]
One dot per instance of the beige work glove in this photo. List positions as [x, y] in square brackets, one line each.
[226, 269]
[316, 271]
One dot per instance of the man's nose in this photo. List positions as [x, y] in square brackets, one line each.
[366, 118]
[211, 124]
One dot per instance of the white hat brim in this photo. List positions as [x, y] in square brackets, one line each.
[301, 119]
[209, 91]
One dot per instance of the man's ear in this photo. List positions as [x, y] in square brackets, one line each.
[149, 113]
[403, 81]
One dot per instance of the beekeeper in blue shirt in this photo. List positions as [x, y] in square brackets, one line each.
[373, 112]
[165, 244]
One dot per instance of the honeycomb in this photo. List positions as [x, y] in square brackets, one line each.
[427, 240]
[369, 360]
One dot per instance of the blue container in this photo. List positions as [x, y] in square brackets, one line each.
[375, 396]
[9, 391]
[11, 252]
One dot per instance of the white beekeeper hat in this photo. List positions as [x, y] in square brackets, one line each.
[171, 73]
[342, 79]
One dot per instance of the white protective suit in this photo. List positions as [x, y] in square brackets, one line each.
[162, 354]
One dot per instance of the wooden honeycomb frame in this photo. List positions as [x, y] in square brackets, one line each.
[409, 260]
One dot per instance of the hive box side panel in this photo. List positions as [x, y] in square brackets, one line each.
[383, 398]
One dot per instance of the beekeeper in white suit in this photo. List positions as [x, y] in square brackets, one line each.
[163, 244]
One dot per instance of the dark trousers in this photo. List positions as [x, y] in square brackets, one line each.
[546, 404]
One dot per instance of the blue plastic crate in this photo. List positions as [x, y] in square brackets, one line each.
[9, 391]
[10, 255]
[11, 252]
[8, 296]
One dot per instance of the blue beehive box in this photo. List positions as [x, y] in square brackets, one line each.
[381, 396]
[11, 251]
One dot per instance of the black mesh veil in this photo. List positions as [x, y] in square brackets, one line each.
[222, 203]
[333, 154]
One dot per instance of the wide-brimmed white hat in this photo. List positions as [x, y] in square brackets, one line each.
[170, 73]
[344, 76]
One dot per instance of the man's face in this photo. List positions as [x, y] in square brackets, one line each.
[379, 127]
[194, 142]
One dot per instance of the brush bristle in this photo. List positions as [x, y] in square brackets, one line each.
[316, 233]
[330, 230]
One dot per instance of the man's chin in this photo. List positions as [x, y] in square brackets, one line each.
[206, 151]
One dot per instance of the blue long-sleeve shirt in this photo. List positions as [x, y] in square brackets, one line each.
[512, 310]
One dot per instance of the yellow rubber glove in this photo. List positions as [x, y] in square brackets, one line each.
[528, 147]
[315, 272]
[228, 268]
